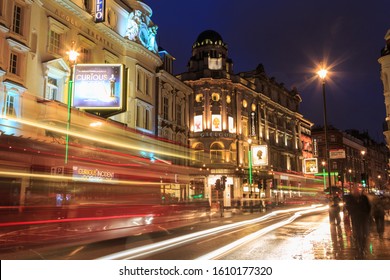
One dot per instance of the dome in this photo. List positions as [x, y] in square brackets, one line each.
[209, 34]
[209, 37]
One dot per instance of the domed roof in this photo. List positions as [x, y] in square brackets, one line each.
[209, 34]
[209, 37]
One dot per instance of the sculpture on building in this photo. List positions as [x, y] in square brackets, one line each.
[142, 30]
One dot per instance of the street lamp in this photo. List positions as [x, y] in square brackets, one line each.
[322, 74]
[72, 57]
[250, 164]
[366, 177]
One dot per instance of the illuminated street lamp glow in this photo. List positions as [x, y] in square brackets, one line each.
[72, 56]
[322, 73]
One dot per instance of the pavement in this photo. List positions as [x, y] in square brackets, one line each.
[337, 241]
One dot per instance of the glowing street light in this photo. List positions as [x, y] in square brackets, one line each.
[72, 57]
[322, 74]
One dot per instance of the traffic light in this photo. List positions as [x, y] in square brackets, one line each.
[259, 185]
[223, 185]
[218, 184]
[364, 179]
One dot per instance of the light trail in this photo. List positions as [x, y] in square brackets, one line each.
[122, 143]
[142, 251]
[232, 246]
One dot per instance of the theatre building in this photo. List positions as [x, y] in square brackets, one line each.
[245, 128]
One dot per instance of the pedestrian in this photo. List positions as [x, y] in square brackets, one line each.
[378, 213]
[334, 211]
[359, 209]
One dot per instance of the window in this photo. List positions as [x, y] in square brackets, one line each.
[199, 153]
[139, 81]
[233, 152]
[13, 64]
[165, 108]
[10, 105]
[178, 114]
[85, 55]
[17, 21]
[143, 117]
[1, 8]
[51, 89]
[54, 42]
[216, 152]
[147, 85]
[55, 33]
[87, 5]
[85, 48]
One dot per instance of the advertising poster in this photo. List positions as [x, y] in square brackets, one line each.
[231, 125]
[310, 166]
[198, 120]
[259, 155]
[98, 86]
[216, 123]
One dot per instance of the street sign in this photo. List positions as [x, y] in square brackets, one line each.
[336, 153]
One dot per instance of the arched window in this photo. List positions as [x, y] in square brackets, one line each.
[216, 152]
[233, 152]
[199, 153]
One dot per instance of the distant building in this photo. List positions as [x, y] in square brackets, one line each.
[354, 158]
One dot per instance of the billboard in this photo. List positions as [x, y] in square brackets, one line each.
[337, 153]
[98, 86]
[259, 155]
[310, 166]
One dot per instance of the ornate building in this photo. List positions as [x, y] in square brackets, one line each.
[50, 97]
[245, 128]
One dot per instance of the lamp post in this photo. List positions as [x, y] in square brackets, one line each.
[72, 56]
[322, 74]
[250, 164]
[250, 173]
[366, 177]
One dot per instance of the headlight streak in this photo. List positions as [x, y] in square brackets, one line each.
[124, 144]
[174, 242]
[234, 245]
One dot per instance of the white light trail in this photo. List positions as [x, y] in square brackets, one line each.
[173, 242]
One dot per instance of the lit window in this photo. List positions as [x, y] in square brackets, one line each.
[199, 97]
[10, 105]
[216, 152]
[51, 89]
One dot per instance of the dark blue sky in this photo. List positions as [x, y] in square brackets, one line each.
[290, 38]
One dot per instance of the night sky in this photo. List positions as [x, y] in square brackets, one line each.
[291, 38]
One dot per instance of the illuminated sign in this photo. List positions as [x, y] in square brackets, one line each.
[231, 125]
[216, 123]
[310, 166]
[98, 86]
[92, 174]
[198, 120]
[100, 10]
[259, 155]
